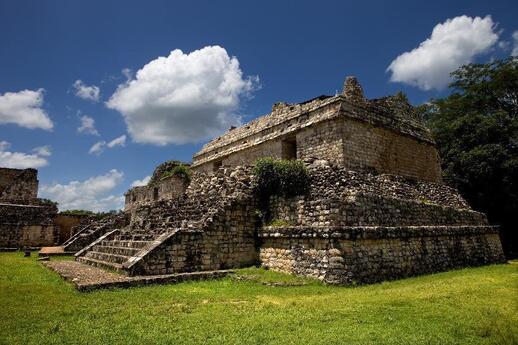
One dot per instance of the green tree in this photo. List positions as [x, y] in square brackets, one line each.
[476, 129]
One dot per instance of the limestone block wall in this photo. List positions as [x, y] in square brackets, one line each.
[348, 142]
[370, 254]
[386, 151]
[322, 141]
[165, 189]
[248, 156]
[365, 209]
[27, 225]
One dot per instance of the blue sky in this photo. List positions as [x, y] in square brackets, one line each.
[286, 51]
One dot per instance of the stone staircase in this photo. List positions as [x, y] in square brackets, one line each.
[117, 247]
[90, 232]
[112, 252]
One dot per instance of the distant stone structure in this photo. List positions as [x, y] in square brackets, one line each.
[375, 209]
[162, 186]
[25, 220]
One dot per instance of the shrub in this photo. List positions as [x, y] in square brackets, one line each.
[280, 177]
[180, 170]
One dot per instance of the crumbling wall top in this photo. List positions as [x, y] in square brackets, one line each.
[18, 184]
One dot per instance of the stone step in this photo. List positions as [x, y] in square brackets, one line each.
[133, 237]
[125, 243]
[107, 257]
[126, 251]
[101, 264]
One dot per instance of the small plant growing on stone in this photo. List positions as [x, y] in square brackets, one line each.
[180, 170]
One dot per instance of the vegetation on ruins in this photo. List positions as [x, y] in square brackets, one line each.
[476, 129]
[165, 170]
[468, 306]
[278, 177]
[181, 170]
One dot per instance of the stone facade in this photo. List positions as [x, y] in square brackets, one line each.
[381, 134]
[360, 228]
[25, 220]
[160, 187]
[375, 208]
[346, 255]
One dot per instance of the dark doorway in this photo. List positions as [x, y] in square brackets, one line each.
[155, 194]
[289, 148]
[217, 165]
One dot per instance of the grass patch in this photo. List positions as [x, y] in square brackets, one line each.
[469, 306]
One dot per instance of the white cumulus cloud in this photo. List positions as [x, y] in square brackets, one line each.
[87, 125]
[119, 141]
[43, 151]
[83, 91]
[182, 98]
[21, 160]
[515, 44]
[99, 146]
[95, 193]
[24, 109]
[143, 182]
[452, 44]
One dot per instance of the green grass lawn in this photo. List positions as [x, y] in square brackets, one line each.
[469, 306]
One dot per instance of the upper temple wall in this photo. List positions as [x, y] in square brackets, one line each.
[18, 184]
[382, 134]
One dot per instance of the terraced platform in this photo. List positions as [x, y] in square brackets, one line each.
[88, 278]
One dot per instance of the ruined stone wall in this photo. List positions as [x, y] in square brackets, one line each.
[227, 241]
[165, 189]
[66, 223]
[383, 134]
[344, 141]
[18, 185]
[366, 209]
[322, 141]
[212, 227]
[373, 254]
[367, 146]
[338, 196]
[284, 121]
[27, 225]
[363, 227]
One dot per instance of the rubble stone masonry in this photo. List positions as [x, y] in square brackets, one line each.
[25, 220]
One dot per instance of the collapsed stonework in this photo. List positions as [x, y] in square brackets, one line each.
[375, 208]
[162, 186]
[25, 220]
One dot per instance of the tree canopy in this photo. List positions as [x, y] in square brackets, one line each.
[476, 129]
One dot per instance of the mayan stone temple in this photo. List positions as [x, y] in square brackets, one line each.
[375, 209]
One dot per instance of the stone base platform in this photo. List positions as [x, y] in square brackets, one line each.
[54, 251]
[88, 278]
